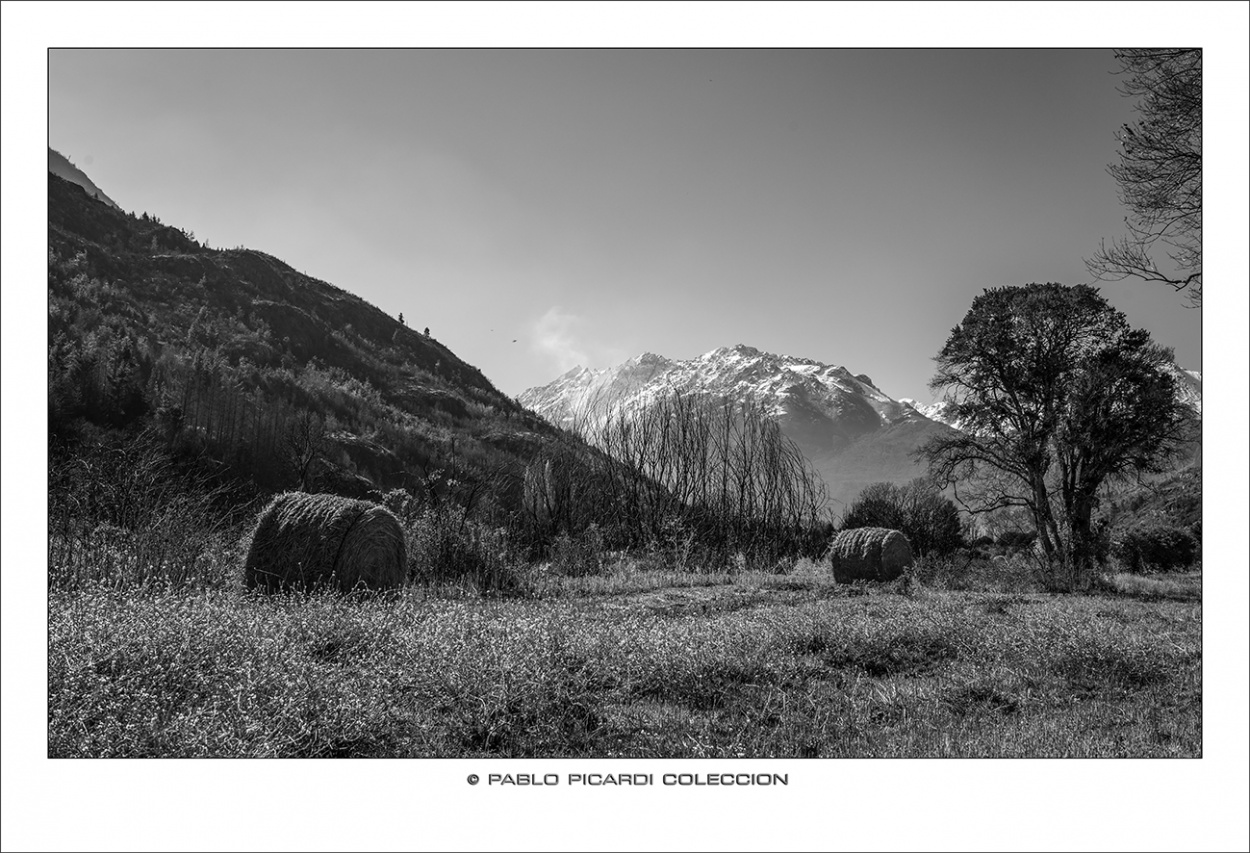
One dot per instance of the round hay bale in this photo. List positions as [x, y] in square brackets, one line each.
[304, 541]
[869, 553]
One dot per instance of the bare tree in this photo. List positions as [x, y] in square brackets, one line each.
[1159, 172]
[717, 470]
[304, 445]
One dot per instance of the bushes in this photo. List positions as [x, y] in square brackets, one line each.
[930, 521]
[970, 569]
[580, 555]
[122, 511]
[1155, 546]
[446, 547]
[1015, 540]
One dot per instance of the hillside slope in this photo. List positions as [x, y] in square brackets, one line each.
[59, 165]
[236, 355]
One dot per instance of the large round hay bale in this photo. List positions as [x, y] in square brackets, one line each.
[304, 541]
[869, 553]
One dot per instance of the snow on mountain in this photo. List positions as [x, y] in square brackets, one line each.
[851, 431]
[780, 383]
[1188, 386]
[939, 411]
[584, 391]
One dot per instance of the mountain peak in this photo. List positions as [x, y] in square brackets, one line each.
[848, 428]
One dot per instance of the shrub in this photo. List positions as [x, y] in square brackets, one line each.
[1016, 540]
[969, 569]
[1155, 546]
[124, 512]
[444, 546]
[928, 520]
[580, 555]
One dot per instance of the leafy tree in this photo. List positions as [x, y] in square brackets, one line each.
[928, 520]
[1159, 172]
[1058, 394]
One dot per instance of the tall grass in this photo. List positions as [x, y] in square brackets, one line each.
[759, 665]
[124, 513]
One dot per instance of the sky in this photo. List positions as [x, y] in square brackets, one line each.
[540, 209]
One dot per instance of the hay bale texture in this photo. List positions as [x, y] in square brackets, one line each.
[304, 541]
[869, 553]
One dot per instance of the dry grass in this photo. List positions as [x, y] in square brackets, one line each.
[750, 664]
[1179, 587]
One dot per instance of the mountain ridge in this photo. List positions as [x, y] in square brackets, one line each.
[227, 351]
[59, 165]
[851, 431]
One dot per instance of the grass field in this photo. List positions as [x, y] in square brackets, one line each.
[638, 664]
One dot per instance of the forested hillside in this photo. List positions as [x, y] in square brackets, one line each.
[275, 378]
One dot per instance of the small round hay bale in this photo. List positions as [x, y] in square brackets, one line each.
[869, 553]
[304, 541]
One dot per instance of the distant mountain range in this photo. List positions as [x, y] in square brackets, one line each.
[849, 429]
[852, 432]
[59, 165]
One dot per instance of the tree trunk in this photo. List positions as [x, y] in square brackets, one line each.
[1048, 537]
[1084, 551]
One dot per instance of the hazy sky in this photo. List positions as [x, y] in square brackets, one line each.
[841, 205]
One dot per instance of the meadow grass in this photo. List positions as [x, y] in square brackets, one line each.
[1179, 586]
[630, 664]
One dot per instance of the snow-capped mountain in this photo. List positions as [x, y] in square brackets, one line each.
[584, 392]
[1188, 386]
[850, 430]
[939, 411]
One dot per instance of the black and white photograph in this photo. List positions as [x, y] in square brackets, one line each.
[646, 422]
